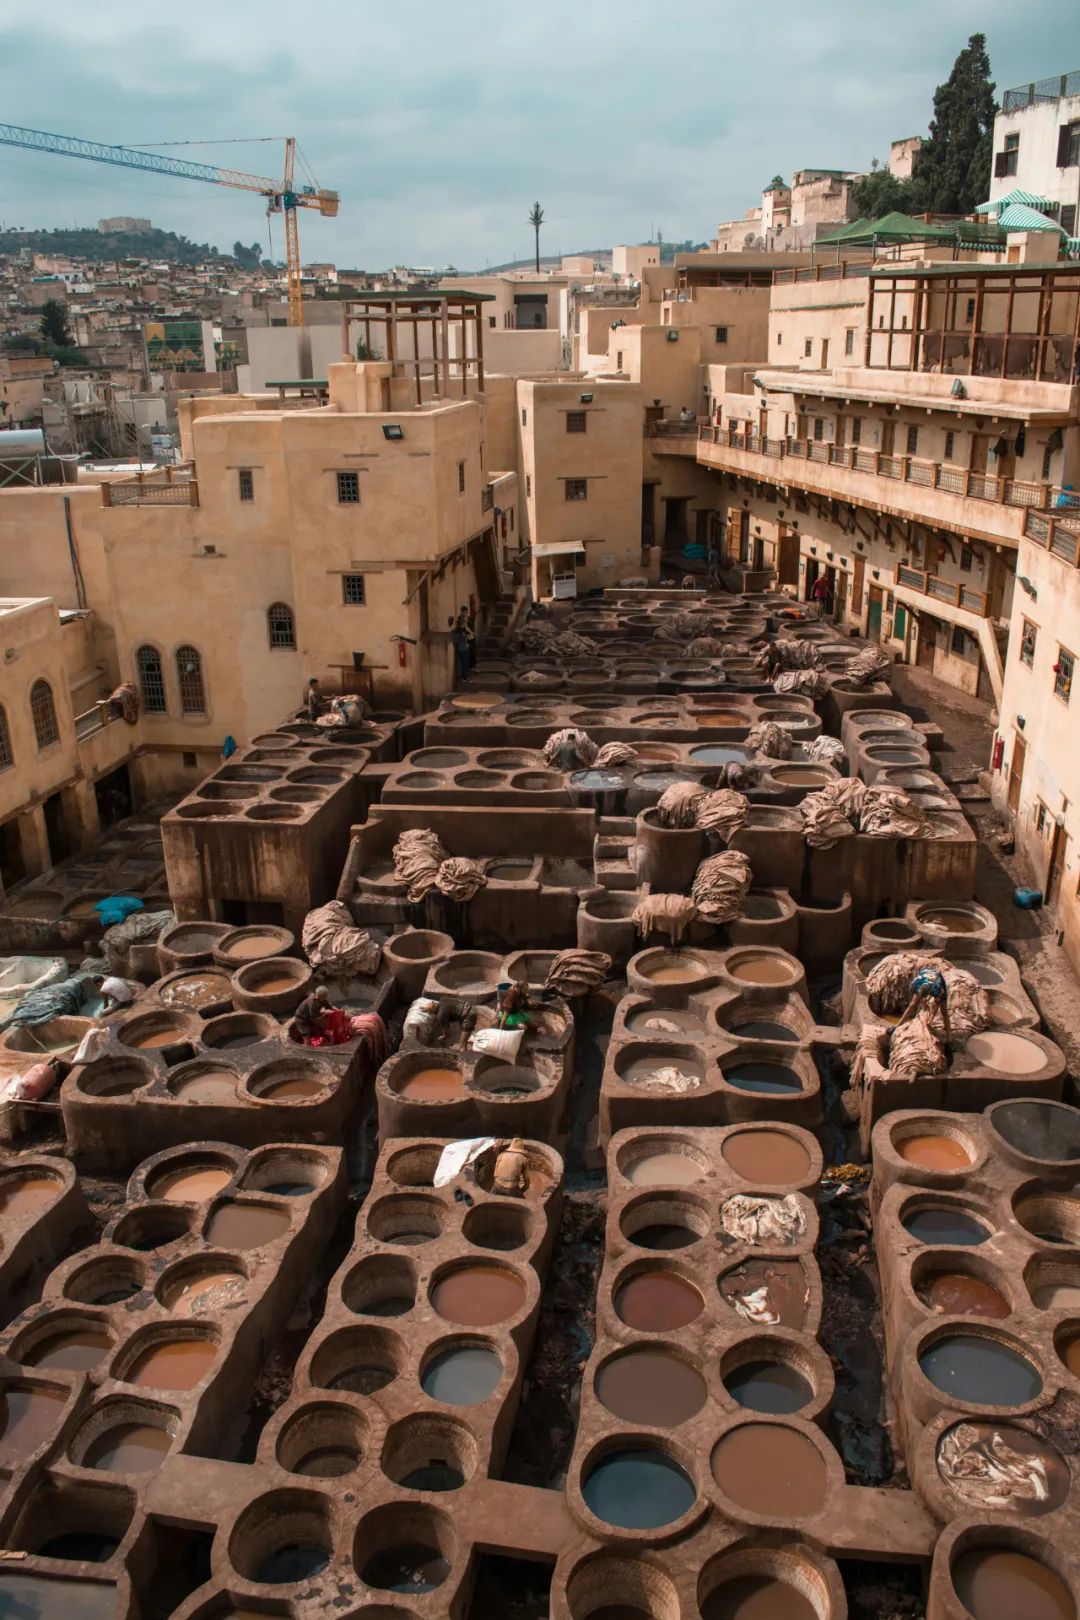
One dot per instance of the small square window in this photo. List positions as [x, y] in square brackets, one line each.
[912, 441]
[950, 445]
[1041, 818]
[393, 430]
[190, 762]
[491, 320]
[808, 348]
[849, 340]
[576, 421]
[348, 489]
[245, 480]
[577, 489]
[1063, 674]
[461, 477]
[1028, 642]
[721, 334]
[352, 589]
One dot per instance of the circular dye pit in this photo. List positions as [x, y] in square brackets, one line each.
[958, 1293]
[1002, 1467]
[929, 1152]
[25, 1195]
[246, 1226]
[763, 970]
[149, 1038]
[411, 1567]
[764, 1029]
[1007, 1053]
[463, 1376]
[952, 921]
[757, 1597]
[596, 781]
[434, 1084]
[769, 1386]
[658, 1302]
[663, 1169]
[478, 1296]
[173, 1364]
[772, 1470]
[997, 1583]
[664, 1235]
[130, 1448]
[206, 1086]
[664, 1021]
[192, 1185]
[28, 1417]
[197, 990]
[638, 1490]
[980, 1371]
[78, 1350]
[1058, 1293]
[766, 1158]
[252, 947]
[673, 970]
[296, 1088]
[1048, 1131]
[203, 1293]
[652, 1387]
[770, 1079]
[1069, 1351]
[720, 753]
[946, 1223]
[770, 1293]
[294, 1562]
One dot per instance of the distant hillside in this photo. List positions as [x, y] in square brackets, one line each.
[105, 245]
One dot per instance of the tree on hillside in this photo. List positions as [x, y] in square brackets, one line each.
[54, 327]
[248, 258]
[952, 170]
[536, 219]
[879, 193]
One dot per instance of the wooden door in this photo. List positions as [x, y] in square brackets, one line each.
[924, 657]
[980, 449]
[888, 435]
[787, 557]
[1057, 863]
[824, 354]
[873, 616]
[857, 580]
[1016, 772]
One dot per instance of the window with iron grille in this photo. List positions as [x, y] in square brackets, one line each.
[1069, 147]
[190, 676]
[950, 445]
[7, 758]
[352, 590]
[959, 642]
[576, 421]
[618, 359]
[151, 680]
[1067, 216]
[348, 489]
[280, 625]
[849, 340]
[721, 334]
[577, 489]
[808, 347]
[1063, 674]
[245, 479]
[965, 559]
[912, 441]
[819, 428]
[43, 714]
[856, 430]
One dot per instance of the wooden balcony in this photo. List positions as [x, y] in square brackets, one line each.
[951, 593]
[165, 486]
[1057, 531]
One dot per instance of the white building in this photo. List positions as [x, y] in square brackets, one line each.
[1037, 146]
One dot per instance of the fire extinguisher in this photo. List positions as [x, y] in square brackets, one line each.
[402, 656]
[998, 754]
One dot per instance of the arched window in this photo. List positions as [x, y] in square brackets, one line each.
[7, 758]
[281, 625]
[43, 714]
[151, 680]
[189, 673]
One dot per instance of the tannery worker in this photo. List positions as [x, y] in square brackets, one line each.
[453, 1010]
[511, 1174]
[513, 1007]
[314, 702]
[928, 990]
[115, 993]
[307, 1020]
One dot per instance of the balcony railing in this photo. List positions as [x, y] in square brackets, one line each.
[673, 429]
[937, 589]
[487, 498]
[165, 486]
[1041, 90]
[1057, 532]
[977, 486]
[93, 720]
[844, 271]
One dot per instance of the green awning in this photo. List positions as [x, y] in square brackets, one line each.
[1029, 199]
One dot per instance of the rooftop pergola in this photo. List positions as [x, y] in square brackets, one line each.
[396, 325]
[1007, 320]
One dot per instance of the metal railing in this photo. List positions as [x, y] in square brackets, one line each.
[93, 720]
[165, 486]
[844, 271]
[662, 429]
[1056, 532]
[977, 486]
[1028, 95]
[951, 592]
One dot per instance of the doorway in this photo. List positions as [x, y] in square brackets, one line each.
[675, 532]
[858, 579]
[1056, 866]
[787, 558]
[873, 615]
[1016, 773]
[924, 654]
[12, 865]
[115, 800]
[824, 354]
[56, 828]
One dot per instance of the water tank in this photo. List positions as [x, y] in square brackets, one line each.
[21, 442]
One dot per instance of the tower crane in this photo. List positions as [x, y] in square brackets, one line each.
[282, 196]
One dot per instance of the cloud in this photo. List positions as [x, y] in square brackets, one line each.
[439, 125]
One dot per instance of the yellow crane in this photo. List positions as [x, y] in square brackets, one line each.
[282, 196]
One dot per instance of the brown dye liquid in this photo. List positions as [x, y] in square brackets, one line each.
[79, 1351]
[658, 1302]
[651, 1386]
[663, 1170]
[955, 1293]
[130, 1448]
[673, 975]
[432, 1085]
[212, 1086]
[197, 990]
[1069, 1351]
[252, 947]
[22, 1197]
[478, 1296]
[957, 922]
[246, 1226]
[275, 984]
[994, 1583]
[158, 1037]
[292, 1090]
[1009, 1054]
[174, 1364]
[769, 1469]
[784, 1284]
[208, 1292]
[192, 1186]
[766, 1158]
[477, 700]
[934, 1153]
[757, 1597]
[762, 970]
[27, 1419]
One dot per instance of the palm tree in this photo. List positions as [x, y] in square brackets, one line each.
[536, 219]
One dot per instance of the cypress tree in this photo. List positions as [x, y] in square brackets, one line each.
[952, 171]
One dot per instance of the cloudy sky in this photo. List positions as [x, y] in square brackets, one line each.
[440, 123]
